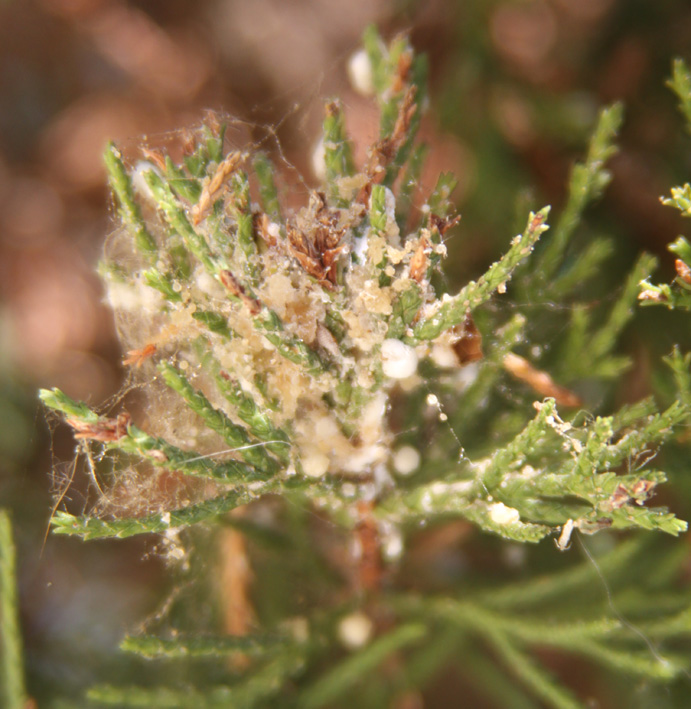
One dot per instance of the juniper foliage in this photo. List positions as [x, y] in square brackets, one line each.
[678, 293]
[313, 357]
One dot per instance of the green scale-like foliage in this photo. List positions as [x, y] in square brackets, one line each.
[269, 345]
[678, 293]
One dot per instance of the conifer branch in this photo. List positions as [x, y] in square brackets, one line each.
[121, 185]
[586, 183]
[451, 311]
[234, 435]
[316, 344]
[268, 192]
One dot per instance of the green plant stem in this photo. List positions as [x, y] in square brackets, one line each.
[12, 690]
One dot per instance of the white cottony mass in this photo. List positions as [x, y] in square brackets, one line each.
[399, 361]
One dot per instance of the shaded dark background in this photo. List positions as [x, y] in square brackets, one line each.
[515, 87]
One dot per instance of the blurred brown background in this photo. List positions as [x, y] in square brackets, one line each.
[514, 86]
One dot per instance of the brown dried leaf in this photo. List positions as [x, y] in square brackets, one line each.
[540, 381]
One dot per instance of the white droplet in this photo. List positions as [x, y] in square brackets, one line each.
[501, 514]
[139, 183]
[389, 204]
[355, 630]
[319, 160]
[406, 460]
[399, 361]
[444, 356]
[315, 464]
[360, 73]
[392, 544]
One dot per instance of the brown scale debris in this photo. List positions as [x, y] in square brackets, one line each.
[155, 157]
[105, 430]
[213, 188]
[650, 294]
[468, 346]
[442, 224]
[188, 142]
[642, 489]
[619, 497]
[370, 566]
[235, 579]
[137, 357]
[405, 62]
[317, 245]
[638, 493]
[261, 224]
[683, 271]
[537, 221]
[239, 291]
[419, 263]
